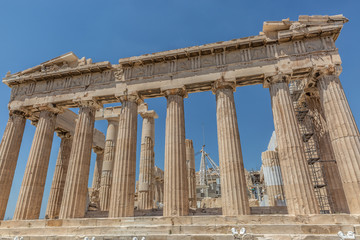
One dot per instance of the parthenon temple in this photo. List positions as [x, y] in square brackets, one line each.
[310, 172]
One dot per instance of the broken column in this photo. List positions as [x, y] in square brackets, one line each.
[233, 184]
[272, 177]
[344, 134]
[108, 162]
[190, 162]
[123, 182]
[58, 183]
[176, 194]
[298, 188]
[9, 152]
[95, 188]
[147, 161]
[32, 187]
[75, 190]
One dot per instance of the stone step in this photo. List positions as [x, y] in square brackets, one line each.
[188, 237]
[189, 220]
[193, 212]
[185, 229]
[196, 227]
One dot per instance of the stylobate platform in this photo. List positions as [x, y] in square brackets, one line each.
[188, 227]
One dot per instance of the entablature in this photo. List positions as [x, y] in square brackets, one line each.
[284, 47]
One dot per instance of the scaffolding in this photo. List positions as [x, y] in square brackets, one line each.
[311, 148]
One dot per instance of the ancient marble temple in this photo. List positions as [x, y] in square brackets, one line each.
[285, 51]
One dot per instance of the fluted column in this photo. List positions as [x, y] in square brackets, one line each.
[147, 161]
[146, 196]
[58, 183]
[334, 185]
[32, 188]
[123, 183]
[95, 187]
[107, 168]
[272, 176]
[344, 136]
[161, 191]
[9, 152]
[176, 194]
[233, 184]
[75, 191]
[298, 188]
[332, 176]
[156, 194]
[190, 162]
[98, 167]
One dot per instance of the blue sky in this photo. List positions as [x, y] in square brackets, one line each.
[32, 32]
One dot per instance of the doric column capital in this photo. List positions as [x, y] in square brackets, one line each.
[176, 91]
[221, 84]
[88, 103]
[36, 112]
[331, 70]
[114, 121]
[49, 107]
[149, 114]
[17, 113]
[98, 150]
[279, 78]
[136, 98]
[63, 134]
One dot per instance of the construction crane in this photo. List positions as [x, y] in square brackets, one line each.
[215, 168]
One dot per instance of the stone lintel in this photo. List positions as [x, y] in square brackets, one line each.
[108, 113]
[65, 122]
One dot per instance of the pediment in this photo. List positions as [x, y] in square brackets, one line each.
[64, 61]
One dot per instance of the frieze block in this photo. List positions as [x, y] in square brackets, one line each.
[258, 53]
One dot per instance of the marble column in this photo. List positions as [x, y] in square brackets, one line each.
[147, 161]
[76, 185]
[272, 177]
[108, 163]
[332, 176]
[98, 167]
[9, 152]
[123, 183]
[344, 136]
[58, 183]
[298, 187]
[233, 184]
[176, 202]
[331, 173]
[190, 162]
[32, 188]
[145, 191]
[161, 191]
[156, 194]
[95, 187]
